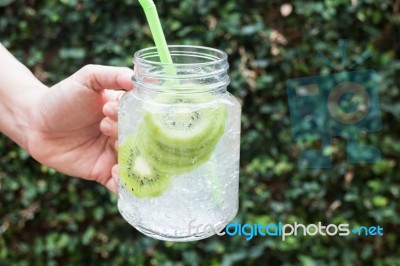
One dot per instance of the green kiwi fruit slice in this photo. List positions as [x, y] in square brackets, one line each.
[173, 161]
[178, 141]
[173, 157]
[182, 125]
[136, 172]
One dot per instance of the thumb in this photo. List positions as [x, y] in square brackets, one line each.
[98, 77]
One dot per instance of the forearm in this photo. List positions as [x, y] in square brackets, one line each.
[19, 93]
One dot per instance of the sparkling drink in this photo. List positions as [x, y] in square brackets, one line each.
[179, 135]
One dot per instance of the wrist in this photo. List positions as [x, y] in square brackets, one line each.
[21, 112]
[30, 116]
[20, 92]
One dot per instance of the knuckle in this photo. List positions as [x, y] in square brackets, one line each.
[88, 69]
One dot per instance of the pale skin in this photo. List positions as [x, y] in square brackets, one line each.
[72, 126]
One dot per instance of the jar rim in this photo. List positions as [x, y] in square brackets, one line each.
[217, 58]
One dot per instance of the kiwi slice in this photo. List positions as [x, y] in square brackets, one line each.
[137, 174]
[193, 155]
[181, 137]
[182, 125]
[173, 161]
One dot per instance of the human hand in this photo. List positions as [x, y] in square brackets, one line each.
[75, 124]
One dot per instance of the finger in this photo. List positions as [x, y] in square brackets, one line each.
[113, 95]
[114, 175]
[109, 127]
[98, 77]
[116, 145]
[110, 110]
[112, 185]
[114, 171]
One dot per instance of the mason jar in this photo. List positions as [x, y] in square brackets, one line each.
[179, 145]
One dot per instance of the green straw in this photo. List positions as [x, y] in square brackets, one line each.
[156, 30]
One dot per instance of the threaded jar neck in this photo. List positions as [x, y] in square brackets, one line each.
[195, 69]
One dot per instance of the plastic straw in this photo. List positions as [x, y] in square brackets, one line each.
[156, 30]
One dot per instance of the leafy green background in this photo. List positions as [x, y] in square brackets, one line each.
[48, 219]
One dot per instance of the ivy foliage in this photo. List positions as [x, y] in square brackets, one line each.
[47, 218]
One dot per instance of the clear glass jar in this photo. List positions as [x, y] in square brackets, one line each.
[179, 145]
